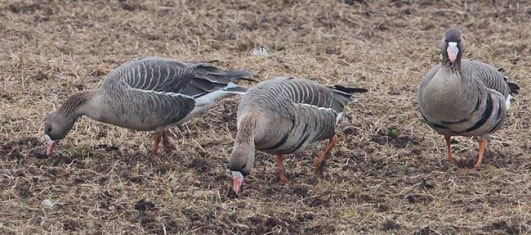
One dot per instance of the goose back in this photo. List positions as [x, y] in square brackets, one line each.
[151, 93]
[292, 113]
[271, 93]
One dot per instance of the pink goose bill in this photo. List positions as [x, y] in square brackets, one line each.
[50, 145]
[452, 51]
[237, 181]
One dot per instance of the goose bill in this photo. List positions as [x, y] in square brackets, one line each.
[237, 181]
[452, 51]
[50, 145]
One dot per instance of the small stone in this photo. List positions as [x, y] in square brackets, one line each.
[47, 203]
[428, 183]
[260, 51]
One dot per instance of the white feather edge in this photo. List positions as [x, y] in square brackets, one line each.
[162, 93]
[201, 103]
[202, 100]
[216, 95]
[233, 85]
[338, 115]
[507, 100]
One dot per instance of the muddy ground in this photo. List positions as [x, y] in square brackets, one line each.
[388, 174]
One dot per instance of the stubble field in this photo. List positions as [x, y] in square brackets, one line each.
[388, 174]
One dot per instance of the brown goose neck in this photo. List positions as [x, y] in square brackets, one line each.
[247, 130]
[73, 105]
[455, 66]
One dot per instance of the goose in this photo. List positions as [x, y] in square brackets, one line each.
[286, 115]
[147, 94]
[464, 97]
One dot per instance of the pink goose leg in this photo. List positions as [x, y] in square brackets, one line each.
[166, 141]
[155, 145]
[322, 157]
[448, 138]
[281, 171]
[482, 146]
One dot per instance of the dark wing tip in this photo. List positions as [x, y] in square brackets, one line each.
[513, 87]
[238, 73]
[241, 75]
[248, 79]
[349, 90]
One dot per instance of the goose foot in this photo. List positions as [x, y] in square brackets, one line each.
[155, 145]
[166, 141]
[448, 139]
[322, 157]
[482, 146]
[282, 179]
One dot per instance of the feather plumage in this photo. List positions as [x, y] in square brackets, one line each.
[464, 97]
[285, 116]
[149, 94]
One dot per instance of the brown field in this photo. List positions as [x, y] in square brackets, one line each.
[388, 174]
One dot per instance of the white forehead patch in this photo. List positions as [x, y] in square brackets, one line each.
[237, 174]
[49, 140]
[452, 44]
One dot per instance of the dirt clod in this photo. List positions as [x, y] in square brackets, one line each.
[144, 205]
[390, 225]
[418, 198]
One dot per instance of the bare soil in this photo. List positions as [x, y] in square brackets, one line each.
[388, 174]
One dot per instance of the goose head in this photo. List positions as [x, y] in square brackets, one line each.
[452, 46]
[56, 127]
[240, 164]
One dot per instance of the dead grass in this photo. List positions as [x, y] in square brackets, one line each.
[388, 174]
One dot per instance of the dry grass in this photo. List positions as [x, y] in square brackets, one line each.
[102, 179]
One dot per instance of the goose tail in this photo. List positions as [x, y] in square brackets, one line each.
[513, 87]
[348, 90]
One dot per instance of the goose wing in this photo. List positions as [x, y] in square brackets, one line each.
[491, 77]
[307, 92]
[168, 88]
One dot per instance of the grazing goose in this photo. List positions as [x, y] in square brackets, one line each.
[147, 94]
[464, 97]
[285, 116]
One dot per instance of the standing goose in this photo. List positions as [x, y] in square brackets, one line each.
[147, 94]
[464, 97]
[285, 116]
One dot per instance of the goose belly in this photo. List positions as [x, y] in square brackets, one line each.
[446, 105]
[485, 115]
[138, 117]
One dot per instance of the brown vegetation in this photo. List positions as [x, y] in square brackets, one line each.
[388, 174]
